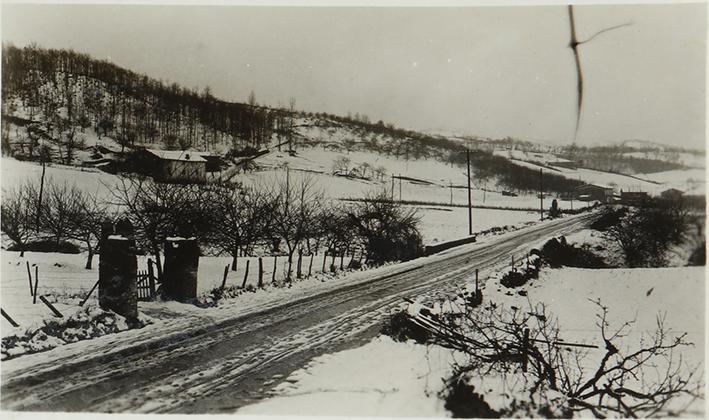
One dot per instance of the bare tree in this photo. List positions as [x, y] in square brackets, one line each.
[640, 381]
[85, 223]
[244, 218]
[62, 203]
[17, 214]
[388, 231]
[298, 204]
[341, 165]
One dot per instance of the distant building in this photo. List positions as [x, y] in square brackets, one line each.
[672, 194]
[633, 198]
[177, 165]
[564, 163]
[593, 192]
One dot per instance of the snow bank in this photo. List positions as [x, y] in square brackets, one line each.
[381, 378]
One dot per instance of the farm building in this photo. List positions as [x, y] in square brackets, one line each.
[593, 192]
[177, 165]
[672, 194]
[633, 198]
[563, 163]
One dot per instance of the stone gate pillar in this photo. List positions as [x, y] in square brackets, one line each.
[118, 268]
[180, 271]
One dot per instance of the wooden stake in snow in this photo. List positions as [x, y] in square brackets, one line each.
[477, 289]
[525, 347]
[90, 292]
[246, 274]
[260, 272]
[29, 276]
[51, 307]
[333, 267]
[342, 260]
[36, 281]
[9, 319]
[275, 267]
[226, 273]
[324, 260]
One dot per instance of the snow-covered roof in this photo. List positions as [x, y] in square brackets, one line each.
[592, 186]
[181, 155]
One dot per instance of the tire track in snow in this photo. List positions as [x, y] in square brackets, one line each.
[222, 369]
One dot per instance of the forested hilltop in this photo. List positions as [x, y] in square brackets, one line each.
[57, 103]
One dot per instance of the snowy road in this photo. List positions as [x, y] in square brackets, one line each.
[220, 367]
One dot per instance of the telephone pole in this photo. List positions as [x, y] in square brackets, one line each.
[451, 184]
[470, 205]
[399, 187]
[541, 196]
[392, 187]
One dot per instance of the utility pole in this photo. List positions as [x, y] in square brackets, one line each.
[451, 183]
[399, 187]
[541, 196]
[392, 187]
[470, 205]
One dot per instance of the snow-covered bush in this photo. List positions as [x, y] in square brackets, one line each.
[87, 323]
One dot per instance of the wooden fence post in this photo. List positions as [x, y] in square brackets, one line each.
[342, 260]
[51, 307]
[477, 289]
[9, 319]
[151, 278]
[246, 274]
[260, 272]
[89, 294]
[29, 276]
[36, 280]
[300, 261]
[333, 267]
[226, 273]
[310, 266]
[513, 262]
[324, 260]
[275, 267]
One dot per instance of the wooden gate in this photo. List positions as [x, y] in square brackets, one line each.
[146, 283]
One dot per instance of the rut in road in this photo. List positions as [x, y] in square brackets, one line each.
[223, 369]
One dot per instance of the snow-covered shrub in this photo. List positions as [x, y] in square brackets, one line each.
[400, 328]
[89, 322]
[387, 231]
[558, 253]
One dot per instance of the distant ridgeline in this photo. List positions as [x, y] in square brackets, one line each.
[56, 95]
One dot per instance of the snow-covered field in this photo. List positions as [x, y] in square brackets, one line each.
[418, 371]
[64, 277]
[440, 224]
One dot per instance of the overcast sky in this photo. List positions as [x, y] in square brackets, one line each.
[492, 71]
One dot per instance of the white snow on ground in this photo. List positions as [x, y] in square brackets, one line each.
[324, 388]
[169, 319]
[691, 181]
[381, 378]
[64, 277]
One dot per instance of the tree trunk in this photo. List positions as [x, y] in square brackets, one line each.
[90, 257]
[233, 261]
[158, 264]
[290, 265]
